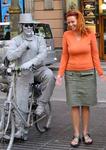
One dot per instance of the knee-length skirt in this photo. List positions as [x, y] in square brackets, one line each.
[81, 88]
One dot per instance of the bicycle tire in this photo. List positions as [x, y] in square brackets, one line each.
[43, 121]
[8, 130]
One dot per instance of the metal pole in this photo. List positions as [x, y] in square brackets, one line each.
[64, 13]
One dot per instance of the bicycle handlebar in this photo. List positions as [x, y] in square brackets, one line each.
[11, 68]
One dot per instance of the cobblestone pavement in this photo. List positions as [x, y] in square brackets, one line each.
[58, 137]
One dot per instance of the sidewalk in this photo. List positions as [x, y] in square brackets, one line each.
[60, 134]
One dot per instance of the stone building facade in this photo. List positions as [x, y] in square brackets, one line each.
[51, 11]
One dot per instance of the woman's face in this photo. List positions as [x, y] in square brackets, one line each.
[72, 22]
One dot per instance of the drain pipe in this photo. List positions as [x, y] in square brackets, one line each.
[64, 12]
[29, 6]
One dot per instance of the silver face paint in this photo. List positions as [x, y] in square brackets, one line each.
[28, 30]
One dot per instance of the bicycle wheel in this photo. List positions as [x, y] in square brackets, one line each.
[42, 122]
[8, 131]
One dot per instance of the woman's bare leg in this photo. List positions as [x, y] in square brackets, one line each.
[85, 122]
[75, 115]
[85, 119]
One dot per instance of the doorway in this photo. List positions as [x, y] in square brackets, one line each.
[103, 37]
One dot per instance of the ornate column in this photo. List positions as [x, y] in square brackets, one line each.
[14, 11]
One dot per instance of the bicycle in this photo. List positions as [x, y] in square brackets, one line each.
[9, 108]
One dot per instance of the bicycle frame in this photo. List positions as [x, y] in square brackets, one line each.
[11, 107]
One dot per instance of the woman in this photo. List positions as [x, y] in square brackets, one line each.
[78, 61]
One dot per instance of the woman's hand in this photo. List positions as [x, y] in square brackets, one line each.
[58, 80]
[103, 77]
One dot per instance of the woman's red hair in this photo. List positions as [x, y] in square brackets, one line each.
[81, 27]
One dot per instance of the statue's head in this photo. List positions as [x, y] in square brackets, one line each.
[27, 23]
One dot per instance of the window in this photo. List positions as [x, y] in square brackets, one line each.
[5, 17]
[48, 4]
[43, 30]
[4, 31]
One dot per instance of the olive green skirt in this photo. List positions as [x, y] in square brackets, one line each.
[81, 88]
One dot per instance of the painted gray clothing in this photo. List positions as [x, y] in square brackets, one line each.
[32, 51]
[28, 52]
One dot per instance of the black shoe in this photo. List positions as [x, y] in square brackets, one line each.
[20, 135]
[76, 141]
[87, 139]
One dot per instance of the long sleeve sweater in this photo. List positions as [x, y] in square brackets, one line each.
[79, 55]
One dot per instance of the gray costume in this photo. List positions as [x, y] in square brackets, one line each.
[28, 51]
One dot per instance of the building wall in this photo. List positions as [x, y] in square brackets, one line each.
[54, 17]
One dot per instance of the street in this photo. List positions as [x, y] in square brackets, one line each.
[60, 133]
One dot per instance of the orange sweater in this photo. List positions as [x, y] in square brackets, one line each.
[79, 55]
